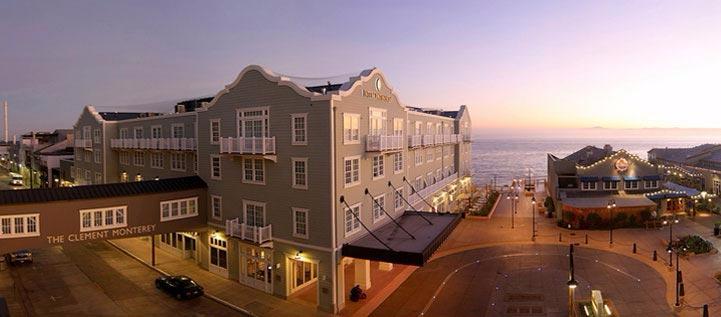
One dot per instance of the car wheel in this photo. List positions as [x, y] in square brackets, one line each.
[178, 296]
[157, 285]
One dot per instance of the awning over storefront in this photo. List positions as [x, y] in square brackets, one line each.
[602, 201]
[652, 178]
[611, 178]
[630, 178]
[589, 178]
[399, 247]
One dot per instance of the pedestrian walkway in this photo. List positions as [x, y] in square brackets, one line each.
[254, 301]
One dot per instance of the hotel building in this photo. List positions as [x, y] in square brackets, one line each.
[701, 164]
[298, 177]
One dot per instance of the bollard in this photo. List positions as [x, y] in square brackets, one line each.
[634, 248]
[655, 256]
[559, 237]
[587, 238]
[681, 291]
[705, 310]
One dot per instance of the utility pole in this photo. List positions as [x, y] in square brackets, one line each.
[5, 127]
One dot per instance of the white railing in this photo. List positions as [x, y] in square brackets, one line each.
[456, 138]
[466, 138]
[438, 139]
[415, 140]
[86, 143]
[428, 140]
[414, 198]
[180, 144]
[253, 145]
[256, 234]
[384, 142]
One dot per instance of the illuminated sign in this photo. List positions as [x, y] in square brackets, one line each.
[621, 165]
[375, 95]
[101, 234]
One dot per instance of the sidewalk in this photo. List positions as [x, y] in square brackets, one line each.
[256, 302]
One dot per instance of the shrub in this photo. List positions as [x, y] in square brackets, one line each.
[548, 203]
[631, 221]
[619, 219]
[646, 215]
[593, 220]
[488, 205]
[693, 244]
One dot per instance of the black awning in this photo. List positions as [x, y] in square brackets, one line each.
[404, 249]
[611, 178]
[652, 178]
[589, 178]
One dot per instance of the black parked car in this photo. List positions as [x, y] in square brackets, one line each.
[180, 286]
[20, 257]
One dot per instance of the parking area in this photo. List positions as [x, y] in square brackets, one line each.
[93, 279]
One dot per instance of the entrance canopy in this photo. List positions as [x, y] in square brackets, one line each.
[399, 247]
[602, 201]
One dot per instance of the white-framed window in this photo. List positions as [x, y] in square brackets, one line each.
[19, 226]
[300, 222]
[88, 156]
[588, 185]
[429, 155]
[351, 128]
[178, 209]
[716, 186]
[378, 166]
[78, 156]
[139, 158]
[138, 132]
[103, 218]
[398, 202]
[299, 128]
[610, 185]
[398, 162]
[88, 179]
[177, 130]
[351, 171]
[96, 136]
[352, 224]
[177, 161]
[124, 133]
[418, 128]
[398, 126]
[376, 121]
[300, 172]
[156, 132]
[430, 180]
[156, 159]
[218, 248]
[650, 184]
[439, 153]
[630, 184]
[215, 171]
[253, 122]
[254, 213]
[214, 131]
[87, 130]
[418, 183]
[97, 157]
[253, 171]
[124, 158]
[379, 203]
[216, 207]
[98, 178]
[418, 156]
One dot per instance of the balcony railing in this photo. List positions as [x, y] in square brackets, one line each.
[415, 140]
[413, 198]
[255, 234]
[466, 138]
[85, 143]
[252, 145]
[428, 140]
[179, 144]
[376, 143]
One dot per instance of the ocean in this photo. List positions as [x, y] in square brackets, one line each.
[509, 158]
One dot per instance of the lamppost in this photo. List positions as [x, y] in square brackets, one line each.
[678, 274]
[514, 202]
[572, 284]
[533, 210]
[610, 206]
[670, 239]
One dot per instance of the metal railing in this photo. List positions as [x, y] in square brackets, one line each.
[415, 140]
[85, 143]
[180, 144]
[414, 198]
[255, 234]
[252, 145]
[428, 140]
[384, 142]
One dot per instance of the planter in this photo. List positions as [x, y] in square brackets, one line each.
[716, 231]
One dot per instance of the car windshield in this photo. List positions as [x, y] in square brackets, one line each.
[184, 282]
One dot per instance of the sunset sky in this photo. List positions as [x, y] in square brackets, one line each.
[519, 65]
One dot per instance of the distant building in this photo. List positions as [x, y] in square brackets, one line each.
[702, 162]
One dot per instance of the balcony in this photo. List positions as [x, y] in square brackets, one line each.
[84, 143]
[414, 198]
[415, 140]
[376, 143]
[242, 145]
[255, 234]
[178, 144]
[428, 140]
[466, 138]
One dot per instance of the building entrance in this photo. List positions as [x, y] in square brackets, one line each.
[256, 265]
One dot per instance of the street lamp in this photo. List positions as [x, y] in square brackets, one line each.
[670, 239]
[610, 206]
[514, 202]
[533, 206]
[678, 273]
[572, 283]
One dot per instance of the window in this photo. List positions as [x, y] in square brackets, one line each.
[216, 207]
[630, 184]
[650, 184]
[96, 136]
[86, 132]
[124, 177]
[178, 209]
[156, 132]
[351, 128]
[352, 224]
[418, 156]
[351, 173]
[156, 159]
[124, 133]
[610, 185]
[103, 218]
[87, 176]
[124, 158]
[215, 166]
[218, 252]
[300, 172]
[253, 122]
[214, 131]
[588, 185]
[177, 161]
[97, 157]
[253, 171]
[378, 168]
[18, 226]
[376, 121]
[98, 178]
[138, 132]
[439, 153]
[254, 213]
[398, 162]
[138, 158]
[429, 155]
[397, 126]
[398, 202]
[78, 156]
[299, 128]
[418, 128]
[177, 131]
[300, 223]
[379, 204]
[88, 156]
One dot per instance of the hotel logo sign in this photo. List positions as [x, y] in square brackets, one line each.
[375, 95]
[621, 165]
[102, 234]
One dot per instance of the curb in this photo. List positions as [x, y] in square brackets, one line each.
[205, 294]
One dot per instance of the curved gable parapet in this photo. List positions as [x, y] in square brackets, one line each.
[364, 76]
